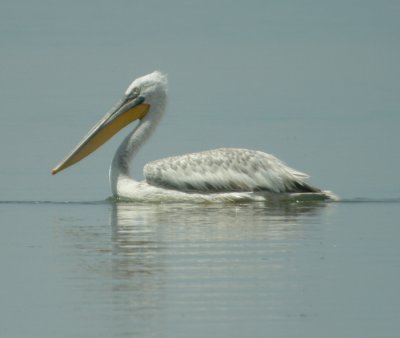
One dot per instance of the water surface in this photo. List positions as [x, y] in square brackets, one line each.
[107, 269]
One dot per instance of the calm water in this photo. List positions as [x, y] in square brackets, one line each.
[315, 83]
[106, 269]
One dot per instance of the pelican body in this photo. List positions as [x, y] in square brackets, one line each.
[226, 174]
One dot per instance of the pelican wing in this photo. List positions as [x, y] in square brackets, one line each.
[226, 170]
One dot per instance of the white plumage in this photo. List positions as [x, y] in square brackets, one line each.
[224, 174]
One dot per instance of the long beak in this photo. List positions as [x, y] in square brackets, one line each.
[127, 111]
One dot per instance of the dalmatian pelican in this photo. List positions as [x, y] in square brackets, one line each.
[225, 174]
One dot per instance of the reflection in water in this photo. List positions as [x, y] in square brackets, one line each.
[211, 264]
[140, 229]
[210, 270]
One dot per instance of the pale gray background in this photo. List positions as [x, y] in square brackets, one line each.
[315, 83]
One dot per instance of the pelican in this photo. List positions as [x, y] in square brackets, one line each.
[226, 174]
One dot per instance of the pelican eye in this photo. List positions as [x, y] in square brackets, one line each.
[135, 92]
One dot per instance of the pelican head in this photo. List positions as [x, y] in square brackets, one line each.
[144, 98]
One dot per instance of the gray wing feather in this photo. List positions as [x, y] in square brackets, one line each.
[224, 170]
